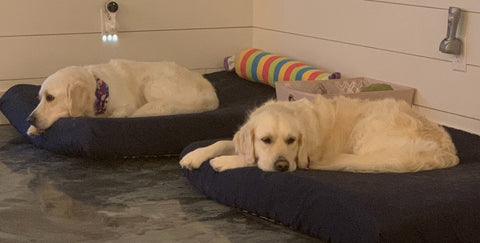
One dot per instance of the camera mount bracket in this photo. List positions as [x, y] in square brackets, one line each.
[108, 21]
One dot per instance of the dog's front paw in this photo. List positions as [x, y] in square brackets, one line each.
[218, 164]
[189, 162]
[33, 131]
[193, 160]
[227, 162]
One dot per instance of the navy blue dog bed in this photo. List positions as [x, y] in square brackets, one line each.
[429, 206]
[148, 136]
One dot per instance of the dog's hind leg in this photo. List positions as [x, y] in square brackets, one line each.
[390, 160]
[365, 163]
[163, 107]
[195, 158]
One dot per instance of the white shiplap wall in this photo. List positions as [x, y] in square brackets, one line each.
[394, 40]
[39, 37]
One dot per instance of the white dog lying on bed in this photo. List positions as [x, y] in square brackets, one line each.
[337, 134]
[121, 88]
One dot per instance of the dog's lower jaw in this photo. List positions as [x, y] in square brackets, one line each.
[33, 131]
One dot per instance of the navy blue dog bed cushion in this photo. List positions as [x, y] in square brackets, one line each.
[148, 136]
[429, 206]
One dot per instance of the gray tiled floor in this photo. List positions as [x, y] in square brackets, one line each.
[46, 197]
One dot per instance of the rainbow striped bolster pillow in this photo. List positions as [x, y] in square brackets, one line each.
[257, 65]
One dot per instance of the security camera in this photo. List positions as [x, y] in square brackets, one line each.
[111, 6]
[108, 21]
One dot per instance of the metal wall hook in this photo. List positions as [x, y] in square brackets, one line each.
[451, 44]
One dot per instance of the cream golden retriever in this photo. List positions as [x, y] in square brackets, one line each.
[332, 134]
[121, 88]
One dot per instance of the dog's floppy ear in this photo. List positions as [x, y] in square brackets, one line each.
[79, 101]
[314, 130]
[308, 141]
[303, 152]
[244, 144]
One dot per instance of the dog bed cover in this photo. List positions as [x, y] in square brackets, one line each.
[428, 206]
[146, 136]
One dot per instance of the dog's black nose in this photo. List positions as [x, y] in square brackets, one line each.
[281, 165]
[32, 120]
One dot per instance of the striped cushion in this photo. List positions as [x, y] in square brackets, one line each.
[257, 65]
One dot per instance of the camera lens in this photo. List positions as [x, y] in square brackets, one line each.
[112, 7]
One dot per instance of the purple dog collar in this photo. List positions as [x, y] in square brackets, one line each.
[101, 94]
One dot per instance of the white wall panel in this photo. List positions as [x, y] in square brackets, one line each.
[393, 27]
[168, 14]
[470, 5]
[27, 17]
[38, 56]
[39, 37]
[452, 120]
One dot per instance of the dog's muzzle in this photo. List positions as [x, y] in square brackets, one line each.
[32, 119]
[281, 164]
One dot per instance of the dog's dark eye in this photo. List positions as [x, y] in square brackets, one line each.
[290, 140]
[267, 140]
[49, 98]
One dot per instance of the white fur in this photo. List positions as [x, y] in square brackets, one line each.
[136, 89]
[332, 134]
